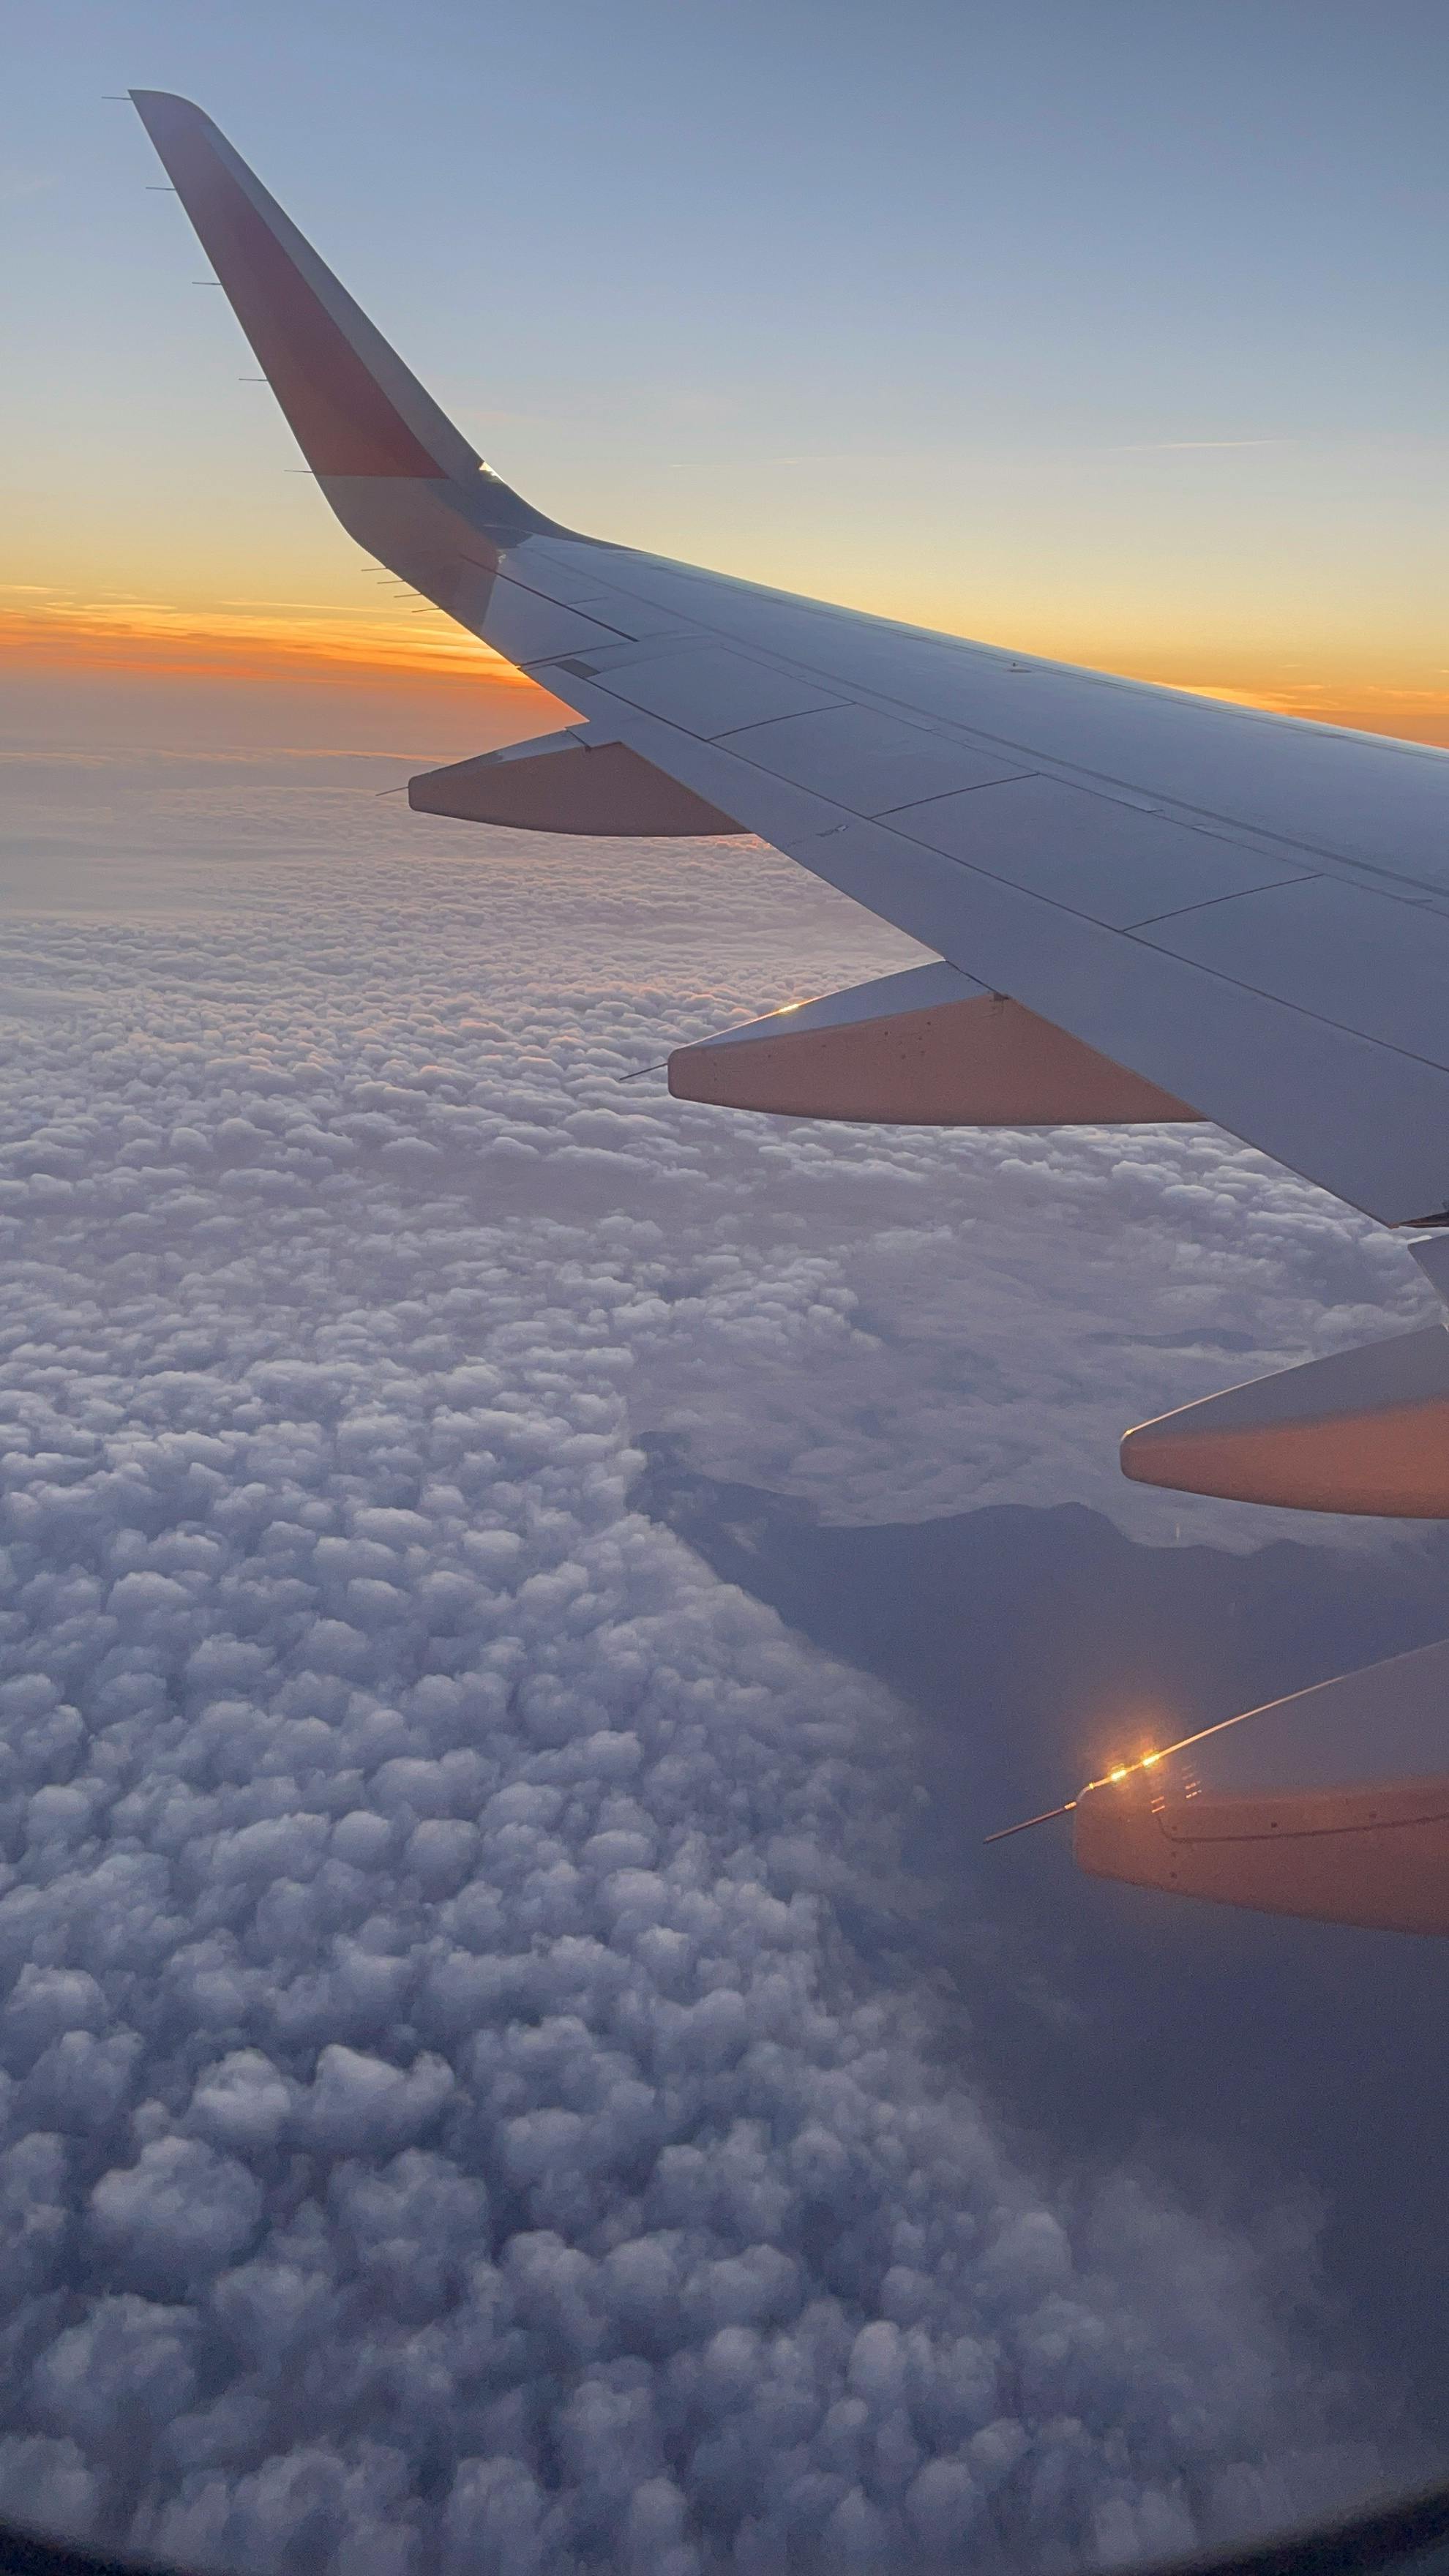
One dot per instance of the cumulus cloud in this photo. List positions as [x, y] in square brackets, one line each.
[466, 2102]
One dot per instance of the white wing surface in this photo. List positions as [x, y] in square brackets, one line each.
[1248, 914]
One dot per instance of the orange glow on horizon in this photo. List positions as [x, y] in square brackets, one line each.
[369, 651]
[1363, 705]
[91, 673]
[240, 644]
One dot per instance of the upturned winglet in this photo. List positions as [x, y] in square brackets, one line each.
[354, 408]
[353, 405]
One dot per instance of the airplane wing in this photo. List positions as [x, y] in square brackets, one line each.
[1145, 904]
[1249, 913]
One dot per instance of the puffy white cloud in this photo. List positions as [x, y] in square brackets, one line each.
[175, 2216]
[463, 2101]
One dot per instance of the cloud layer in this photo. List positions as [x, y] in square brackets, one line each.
[469, 2097]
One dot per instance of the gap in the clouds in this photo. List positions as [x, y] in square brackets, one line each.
[1262, 2063]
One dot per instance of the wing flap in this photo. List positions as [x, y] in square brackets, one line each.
[1111, 861]
[706, 691]
[1365, 960]
[867, 762]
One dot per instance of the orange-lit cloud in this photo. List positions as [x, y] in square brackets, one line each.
[328, 676]
[308, 675]
[243, 639]
[1412, 714]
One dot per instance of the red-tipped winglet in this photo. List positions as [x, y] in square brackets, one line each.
[354, 407]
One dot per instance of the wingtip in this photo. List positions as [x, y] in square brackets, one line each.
[163, 107]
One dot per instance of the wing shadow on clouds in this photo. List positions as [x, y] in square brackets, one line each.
[1287, 2053]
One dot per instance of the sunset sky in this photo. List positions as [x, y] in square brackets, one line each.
[1104, 329]
[525, 1597]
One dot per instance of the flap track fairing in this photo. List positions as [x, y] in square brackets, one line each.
[1364, 1431]
[928, 1048]
[565, 783]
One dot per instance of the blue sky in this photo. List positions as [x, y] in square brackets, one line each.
[1109, 329]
